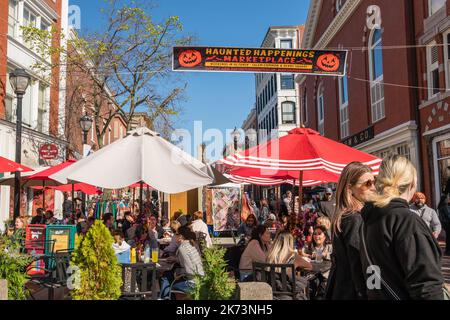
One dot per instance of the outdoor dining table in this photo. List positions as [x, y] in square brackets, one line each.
[162, 266]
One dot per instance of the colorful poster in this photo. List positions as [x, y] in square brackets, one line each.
[261, 60]
[226, 207]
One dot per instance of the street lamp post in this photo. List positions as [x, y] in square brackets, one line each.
[19, 80]
[86, 125]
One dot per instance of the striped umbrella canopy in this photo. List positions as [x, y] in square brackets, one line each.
[271, 181]
[301, 150]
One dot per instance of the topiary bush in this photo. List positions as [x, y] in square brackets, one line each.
[13, 266]
[216, 283]
[99, 270]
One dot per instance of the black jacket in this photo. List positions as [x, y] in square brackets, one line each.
[327, 208]
[346, 280]
[404, 249]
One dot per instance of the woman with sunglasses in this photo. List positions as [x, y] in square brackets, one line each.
[356, 187]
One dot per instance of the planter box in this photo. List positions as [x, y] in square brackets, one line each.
[3, 289]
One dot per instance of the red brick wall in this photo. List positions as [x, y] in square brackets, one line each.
[399, 105]
[3, 47]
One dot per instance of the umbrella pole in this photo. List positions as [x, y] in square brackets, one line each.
[73, 198]
[43, 194]
[141, 191]
[300, 191]
[134, 200]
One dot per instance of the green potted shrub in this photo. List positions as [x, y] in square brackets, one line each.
[98, 268]
[216, 283]
[13, 265]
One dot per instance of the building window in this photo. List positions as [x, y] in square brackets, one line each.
[42, 109]
[321, 111]
[339, 5]
[286, 44]
[276, 115]
[274, 119]
[287, 82]
[288, 112]
[116, 130]
[343, 106]
[29, 20]
[433, 70]
[305, 107]
[13, 18]
[272, 86]
[376, 75]
[442, 163]
[435, 5]
[403, 150]
[447, 57]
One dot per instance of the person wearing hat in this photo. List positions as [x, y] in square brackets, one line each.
[427, 214]
[328, 205]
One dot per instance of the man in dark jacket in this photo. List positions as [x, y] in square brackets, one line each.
[328, 205]
[39, 218]
[444, 217]
[402, 247]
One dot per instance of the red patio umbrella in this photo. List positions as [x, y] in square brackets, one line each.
[83, 187]
[302, 152]
[7, 165]
[44, 177]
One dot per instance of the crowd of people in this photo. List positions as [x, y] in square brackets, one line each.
[367, 225]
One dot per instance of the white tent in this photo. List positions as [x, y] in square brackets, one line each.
[141, 156]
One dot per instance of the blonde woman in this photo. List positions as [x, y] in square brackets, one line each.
[283, 252]
[398, 242]
[346, 280]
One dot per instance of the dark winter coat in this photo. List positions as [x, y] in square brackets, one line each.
[404, 249]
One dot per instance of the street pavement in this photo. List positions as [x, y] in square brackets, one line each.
[445, 267]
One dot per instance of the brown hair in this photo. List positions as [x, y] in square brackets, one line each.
[24, 221]
[197, 215]
[346, 203]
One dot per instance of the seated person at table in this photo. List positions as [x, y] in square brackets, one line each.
[165, 224]
[151, 227]
[283, 252]
[326, 222]
[173, 246]
[49, 217]
[198, 225]
[19, 234]
[247, 228]
[128, 221]
[190, 261]
[256, 251]
[319, 246]
[39, 218]
[108, 220]
[121, 248]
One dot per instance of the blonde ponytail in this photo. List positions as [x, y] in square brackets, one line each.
[397, 175]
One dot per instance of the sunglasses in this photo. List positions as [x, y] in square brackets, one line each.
[368, 183]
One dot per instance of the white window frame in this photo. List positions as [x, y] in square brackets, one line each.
[287, 39]
[446, 34]
[437, 189]
[343, 109]
[376, 85]
[321, 110]
[292, 103]
[15, 23]
[431, 67]
[430, 7]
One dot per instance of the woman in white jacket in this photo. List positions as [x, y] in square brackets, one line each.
[198, 225]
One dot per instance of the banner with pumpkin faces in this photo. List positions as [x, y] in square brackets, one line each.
[260, 60]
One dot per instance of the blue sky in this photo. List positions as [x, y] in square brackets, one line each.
[220, 100]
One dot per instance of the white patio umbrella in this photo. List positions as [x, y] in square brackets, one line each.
[142, 156]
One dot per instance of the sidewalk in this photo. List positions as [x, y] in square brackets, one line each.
[445, 267]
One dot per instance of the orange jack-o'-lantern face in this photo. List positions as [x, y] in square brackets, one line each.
[190, 58]
[328, 62]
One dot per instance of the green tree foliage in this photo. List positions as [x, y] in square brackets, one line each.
[13, 265]
[99, 269]
[127, 63]
[216, 283]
